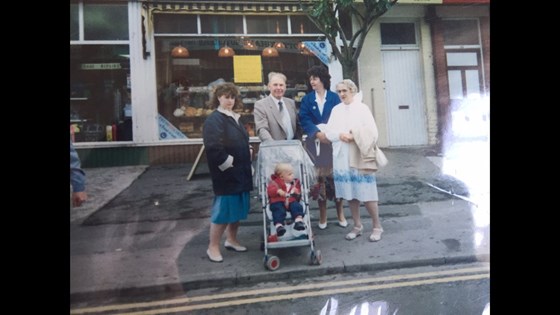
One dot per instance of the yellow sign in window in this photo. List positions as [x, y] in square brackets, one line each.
[247, 69]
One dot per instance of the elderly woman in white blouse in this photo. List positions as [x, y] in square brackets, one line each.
[353, 133]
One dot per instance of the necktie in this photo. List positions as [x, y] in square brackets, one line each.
[280, 106]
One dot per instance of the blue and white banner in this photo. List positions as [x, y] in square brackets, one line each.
[320, 49]
[168, 131]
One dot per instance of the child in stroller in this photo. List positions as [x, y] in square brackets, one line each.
[271, 154]
[284, 193]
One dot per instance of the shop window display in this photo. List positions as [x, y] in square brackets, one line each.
[100, 102]
[185, 84]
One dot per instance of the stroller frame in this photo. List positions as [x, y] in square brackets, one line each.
[292, 152]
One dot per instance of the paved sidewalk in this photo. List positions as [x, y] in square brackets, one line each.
[152, 236]
[104, 184]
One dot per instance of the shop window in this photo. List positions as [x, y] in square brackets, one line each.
[267, 24]
[105, 22]
[184, 84]
[74, 22]
[175, 23]
[100, 100]
[460, 32]
[100, 87]
[221, 24]
[398, 34]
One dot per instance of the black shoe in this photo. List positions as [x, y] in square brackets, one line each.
[280, 230]
[299, 225]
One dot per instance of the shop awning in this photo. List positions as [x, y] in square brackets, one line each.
[229, 7]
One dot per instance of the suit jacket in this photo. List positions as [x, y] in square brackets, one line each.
[268, 120]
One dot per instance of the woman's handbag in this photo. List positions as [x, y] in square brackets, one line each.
[380, 157]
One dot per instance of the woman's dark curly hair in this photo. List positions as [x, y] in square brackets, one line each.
[322, 73]
[227, 89]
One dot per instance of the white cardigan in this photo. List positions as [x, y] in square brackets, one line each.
[357, 119]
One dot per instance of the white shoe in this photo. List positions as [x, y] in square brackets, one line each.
[376, 235]
[356, 231]
[343, 223]
[322, 226]
[237, 248]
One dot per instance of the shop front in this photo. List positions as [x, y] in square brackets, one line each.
[217, 48]
[141, 97]
[141, 72]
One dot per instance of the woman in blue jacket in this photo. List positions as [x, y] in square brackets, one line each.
[315, 109]
[229, 160]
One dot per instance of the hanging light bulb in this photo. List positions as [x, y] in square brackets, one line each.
[226, 52]
[279, 45]
[180, 52]
[249, 44]
[270, 52]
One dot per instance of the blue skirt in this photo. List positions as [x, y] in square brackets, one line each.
[230, 208]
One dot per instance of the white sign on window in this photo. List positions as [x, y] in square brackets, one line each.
[100, 66]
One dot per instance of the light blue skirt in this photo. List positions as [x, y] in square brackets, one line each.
[230, 208]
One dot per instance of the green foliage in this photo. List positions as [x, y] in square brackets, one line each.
[323, 13]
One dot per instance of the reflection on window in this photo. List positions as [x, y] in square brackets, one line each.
[462, 59]
[74, 22]
[460, 32]
[221, 24]
[267, 24]
[175, 23]
[302, 25]
[398, 34]
[100, 97]
[464, 74]
[470, 88]
[455, 84]
[105, 22]
[473, 83]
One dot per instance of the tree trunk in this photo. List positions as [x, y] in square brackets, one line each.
[349, 71]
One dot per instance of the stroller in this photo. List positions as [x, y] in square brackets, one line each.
[292, 152]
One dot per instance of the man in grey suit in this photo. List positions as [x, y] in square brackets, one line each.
[275, 116]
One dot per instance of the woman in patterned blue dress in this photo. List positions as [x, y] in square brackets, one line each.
[352, 127]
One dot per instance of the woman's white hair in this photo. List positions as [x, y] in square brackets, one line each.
[353, 88]
[350, 85]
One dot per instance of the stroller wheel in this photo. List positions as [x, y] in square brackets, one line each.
[315, 257]
[272, 263]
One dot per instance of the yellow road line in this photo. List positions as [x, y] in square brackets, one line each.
[321, 285]
[307, 294]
